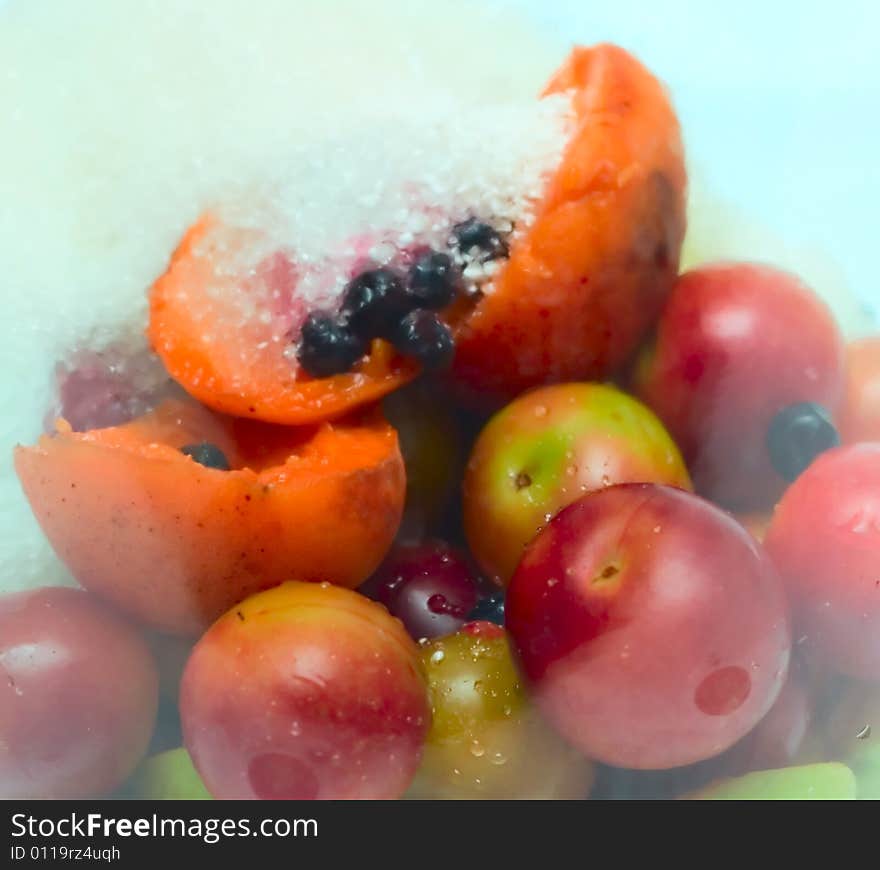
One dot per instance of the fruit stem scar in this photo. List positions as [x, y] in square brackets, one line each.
[522, 480]
[609, 572]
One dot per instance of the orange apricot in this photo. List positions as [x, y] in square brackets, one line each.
[176, 544]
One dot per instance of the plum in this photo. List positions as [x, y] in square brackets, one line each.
[545, 450]
[736, 345]
[305, 691]
[487, 741]
[430, 587]
[825, 541]
[79, 696]
[651, 628]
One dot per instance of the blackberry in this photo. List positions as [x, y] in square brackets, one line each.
[209, 455]
[797, 435]
[476, 234]
[373, 303]
[327, 347]
[433, 280]
[421, 334]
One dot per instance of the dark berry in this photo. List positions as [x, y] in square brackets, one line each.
[475, 234]
[797, 435]
[430, 587]
[373, 303]
[432, 280]
[489, 609]
[209, 455]
[421, 334]
[326, 346]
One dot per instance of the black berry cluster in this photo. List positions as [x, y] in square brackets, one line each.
[385, 303]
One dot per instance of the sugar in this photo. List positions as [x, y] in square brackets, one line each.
[372, 194]
[123, 121]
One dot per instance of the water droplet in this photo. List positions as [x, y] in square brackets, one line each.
[552, 581]
[437, 656]
[540, 410]
[477, 749]
[657, 529]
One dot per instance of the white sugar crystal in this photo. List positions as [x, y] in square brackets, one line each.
[396, 180]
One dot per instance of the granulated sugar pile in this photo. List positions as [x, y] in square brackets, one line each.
[369, 198]
[123, 121]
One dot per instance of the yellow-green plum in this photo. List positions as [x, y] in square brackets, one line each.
[544, 451]
[486, 740]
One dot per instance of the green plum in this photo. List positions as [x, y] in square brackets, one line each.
[544, 451]
[168, 776]
[809, 782]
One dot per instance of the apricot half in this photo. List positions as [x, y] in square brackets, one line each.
[176, 543]
[592, 272]
[585, 273]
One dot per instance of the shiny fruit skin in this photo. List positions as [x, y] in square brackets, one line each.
[544, 451]
[305, 691]
[652, 629]
[78, 700]
[735, 344]
[825, 541]
[859, 417]
[429, 587]
[486, 740]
